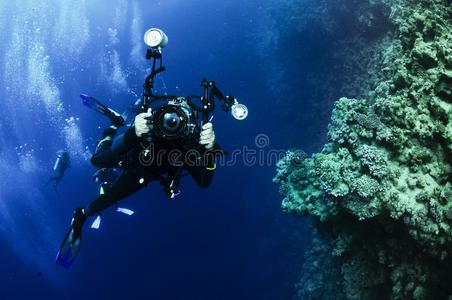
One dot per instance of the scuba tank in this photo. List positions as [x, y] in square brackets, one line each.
[57, 163]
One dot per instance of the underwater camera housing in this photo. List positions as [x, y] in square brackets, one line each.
[174, 121]
[177, 119]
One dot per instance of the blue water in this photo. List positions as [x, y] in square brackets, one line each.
[230, 241]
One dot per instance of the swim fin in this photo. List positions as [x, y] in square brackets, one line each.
[93, 103]
[70, 247]
[90, 102]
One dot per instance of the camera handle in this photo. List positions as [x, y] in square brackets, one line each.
[155, 55]
[210, 92]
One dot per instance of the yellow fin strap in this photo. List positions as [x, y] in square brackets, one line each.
[211, 168]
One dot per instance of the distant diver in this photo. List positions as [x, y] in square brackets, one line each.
[62, 163]
[163, 143]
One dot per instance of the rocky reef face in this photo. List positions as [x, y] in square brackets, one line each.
[380, 191]
[320, 50]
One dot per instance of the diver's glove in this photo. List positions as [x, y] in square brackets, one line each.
[207, 137]
[142, 123]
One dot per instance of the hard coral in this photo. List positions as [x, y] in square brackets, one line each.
[383, 180]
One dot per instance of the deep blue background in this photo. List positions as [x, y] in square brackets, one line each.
[230, 241]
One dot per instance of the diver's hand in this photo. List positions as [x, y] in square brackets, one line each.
[142, 125]
[207, 137]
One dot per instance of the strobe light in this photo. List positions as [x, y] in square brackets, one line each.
[155, 38]
[239, 111]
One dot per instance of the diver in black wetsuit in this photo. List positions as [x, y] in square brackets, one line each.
[61, 165]
[159, 145]
[141, 165]
[125, 152]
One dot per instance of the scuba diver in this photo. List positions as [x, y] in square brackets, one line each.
[62, 163]
[163, 143]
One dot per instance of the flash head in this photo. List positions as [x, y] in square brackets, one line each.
[239, 111]
[155, 38]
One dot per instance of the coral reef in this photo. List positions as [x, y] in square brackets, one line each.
[381, 188]
[315, 43]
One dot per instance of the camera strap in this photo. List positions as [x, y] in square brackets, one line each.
[171, 183]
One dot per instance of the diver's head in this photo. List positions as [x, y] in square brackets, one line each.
[180, 101]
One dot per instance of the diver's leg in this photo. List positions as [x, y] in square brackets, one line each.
[202, 175]
[126, 185]
[104, 157]
[56, 178]
[53, 178]
[57, 181]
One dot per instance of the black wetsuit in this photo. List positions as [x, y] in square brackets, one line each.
[143, 162]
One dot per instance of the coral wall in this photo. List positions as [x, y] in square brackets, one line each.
[380, 191]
